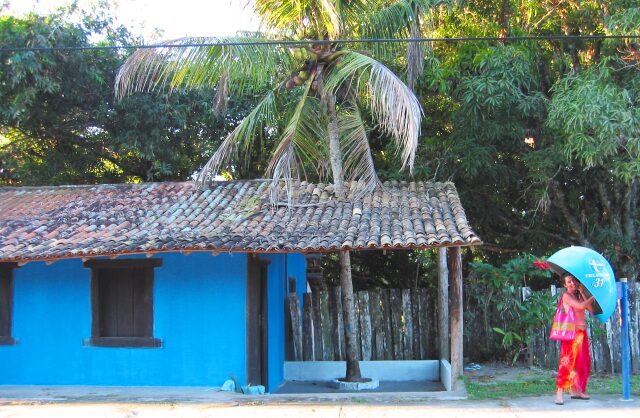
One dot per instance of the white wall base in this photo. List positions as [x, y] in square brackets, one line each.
[403, 370]
[445, 375]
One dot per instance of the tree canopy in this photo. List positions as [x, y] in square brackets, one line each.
[540, 136]
[60, 124]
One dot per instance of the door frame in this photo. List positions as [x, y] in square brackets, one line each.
[257, 353]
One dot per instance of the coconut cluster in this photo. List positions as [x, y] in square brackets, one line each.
[312, 57]
[302, 74]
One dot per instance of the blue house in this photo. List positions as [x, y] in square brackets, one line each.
[160, 284]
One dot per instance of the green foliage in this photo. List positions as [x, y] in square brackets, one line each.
[509, 339]
[503, 296]
[59, 123]
[541, 138]
[597, 116]
[385, 270]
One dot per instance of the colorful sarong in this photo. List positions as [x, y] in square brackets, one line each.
[575, 364]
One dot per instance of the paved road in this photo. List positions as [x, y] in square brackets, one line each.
[91, 402]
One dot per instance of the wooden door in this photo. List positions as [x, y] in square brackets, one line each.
[257, 332]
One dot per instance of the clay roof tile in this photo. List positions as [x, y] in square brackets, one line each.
[80, 221]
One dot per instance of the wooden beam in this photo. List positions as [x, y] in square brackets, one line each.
[444, 351]
[296, 325]
[456, 317]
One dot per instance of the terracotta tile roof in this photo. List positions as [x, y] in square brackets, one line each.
[48, 223]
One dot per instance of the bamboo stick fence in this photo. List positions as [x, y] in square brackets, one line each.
[401, 324]
[392, 324]
[604, 338]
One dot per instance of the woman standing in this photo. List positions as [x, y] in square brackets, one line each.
[575, 359]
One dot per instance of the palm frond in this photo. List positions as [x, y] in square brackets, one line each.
[392, 20]
[357, 160]
[195, 63]
[330, 18]
[284, 163]
[393, 105]
[289, 17]
[264, 114]
[300, 144]
[310, 139]
[279, 16]
[400, 19]
[388, 21]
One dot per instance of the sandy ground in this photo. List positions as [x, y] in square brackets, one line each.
[195, 403]
[496, 372]
[342, 408]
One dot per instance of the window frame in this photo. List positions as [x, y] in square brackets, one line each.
[99, 340]
[6, 283]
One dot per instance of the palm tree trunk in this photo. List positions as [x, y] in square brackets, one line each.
[346, 282]
[335, 154]
[349, 318]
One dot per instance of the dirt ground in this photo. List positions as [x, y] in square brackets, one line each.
[497, 372]
[187, 403]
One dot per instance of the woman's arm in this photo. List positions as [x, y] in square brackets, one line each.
[571, 300]
[590, 306]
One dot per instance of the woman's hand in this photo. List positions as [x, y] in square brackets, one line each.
[581, 288]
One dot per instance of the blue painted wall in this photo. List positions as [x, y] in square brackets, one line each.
[199, 313]
[281, 267]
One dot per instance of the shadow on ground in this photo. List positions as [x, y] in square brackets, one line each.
[384, 387]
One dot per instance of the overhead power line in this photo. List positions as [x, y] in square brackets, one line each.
[223, 42]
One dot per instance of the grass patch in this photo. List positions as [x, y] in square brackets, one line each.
[359, 400]
[612, 385]
[541, 386]
[500, 390]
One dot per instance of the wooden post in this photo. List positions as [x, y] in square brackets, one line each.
[428, 326]
[385, 297]
[326, 327]
[338, 327]
[307, 328]
[407, 334]
[364, 319]
[377, 327]
[418, 325]
[395, 302]
[318, 350]
[443, 306]
[456, 318]
[296, 325]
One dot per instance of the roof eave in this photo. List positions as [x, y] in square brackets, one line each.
[216, 251]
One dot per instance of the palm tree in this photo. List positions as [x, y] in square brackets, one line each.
[317, 91]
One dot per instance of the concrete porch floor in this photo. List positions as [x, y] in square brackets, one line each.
[301, 391]
[301, 387]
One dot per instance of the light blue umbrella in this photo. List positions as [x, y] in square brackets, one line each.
[594, 272]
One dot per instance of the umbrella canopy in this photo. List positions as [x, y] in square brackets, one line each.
[594, 272]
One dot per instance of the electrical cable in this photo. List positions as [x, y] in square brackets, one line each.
[334, 41]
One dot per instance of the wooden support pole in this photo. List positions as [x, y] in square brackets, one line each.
[443, 306]
[307, 328]
[456, 317]
[296, 325]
